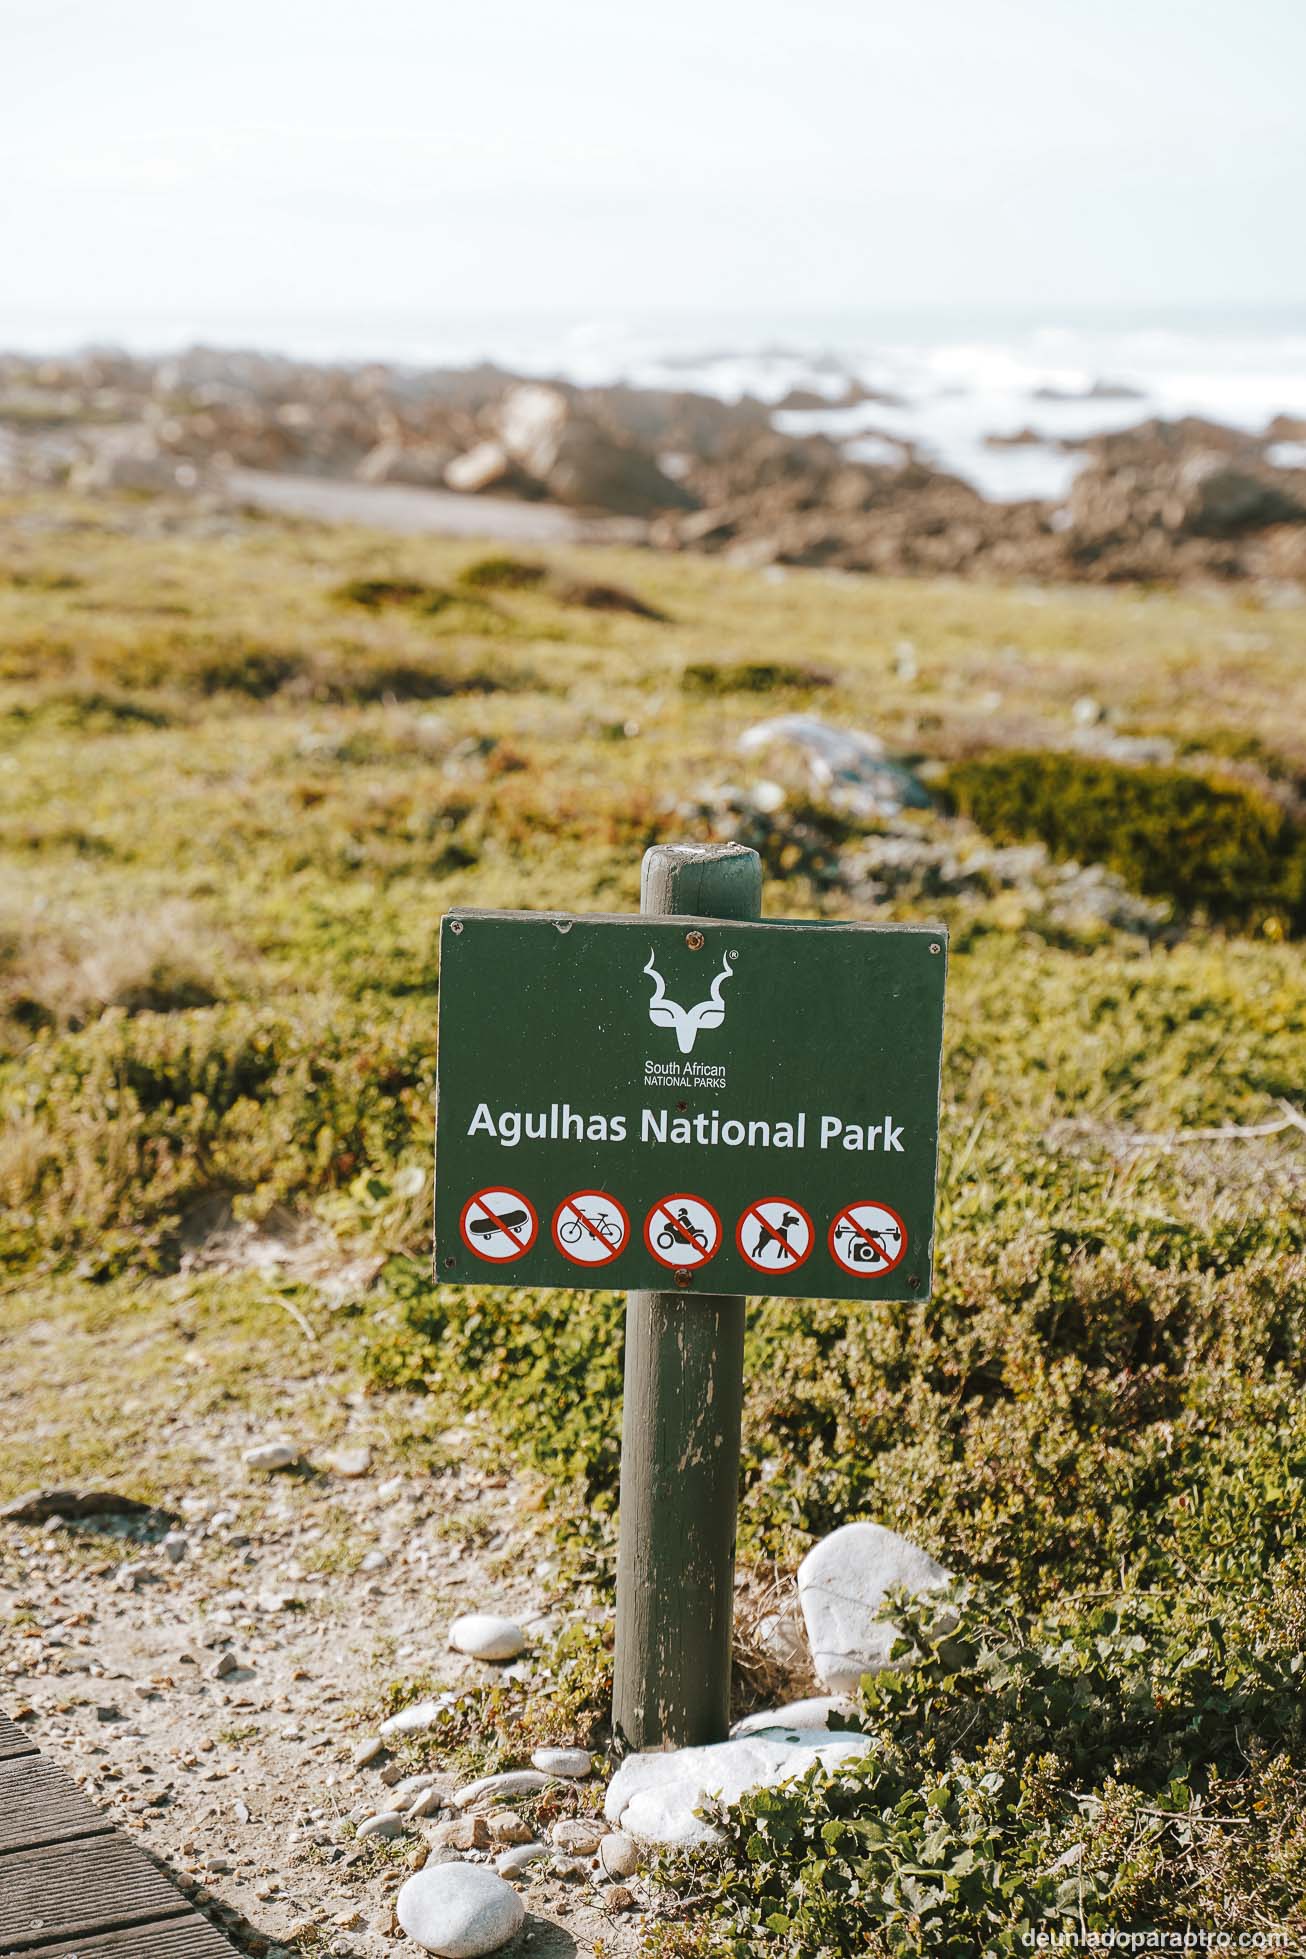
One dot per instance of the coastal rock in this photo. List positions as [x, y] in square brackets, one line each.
[573, 1763]
[618, 1854]
[485, 1636]
[653, 1797]
[481, 468]
[842, 1583]
[818, 1711]
[578, 459]
[459, 1911]
[503, 1787]
[579, 1836]
[417, 1719]
[280, 1454]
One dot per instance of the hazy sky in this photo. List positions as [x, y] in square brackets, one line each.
[263, 160]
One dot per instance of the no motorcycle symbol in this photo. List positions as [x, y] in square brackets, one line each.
[682, 1231]
[498, 1224]
[868, 1240]
[775, 1235]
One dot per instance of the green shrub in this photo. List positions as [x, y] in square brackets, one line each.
[501, 573]
[1209, 845]
[749, 676]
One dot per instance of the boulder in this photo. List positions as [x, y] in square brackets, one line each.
[845, 764]
[842, 1584]
[421, 465]
[818, 1711]
[579, 460]
[459, 1910]
[485, 467]
[487, 1636]
[653, 1797]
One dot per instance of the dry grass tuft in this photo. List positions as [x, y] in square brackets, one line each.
[64, 966]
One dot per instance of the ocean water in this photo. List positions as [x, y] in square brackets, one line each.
[948, 382]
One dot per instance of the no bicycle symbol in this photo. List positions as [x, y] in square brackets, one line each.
[868, 1240]
[591, 1227]
[682, 1231]
[498, 1224]
[775, 1235]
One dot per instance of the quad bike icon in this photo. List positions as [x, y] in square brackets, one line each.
[684, 1232]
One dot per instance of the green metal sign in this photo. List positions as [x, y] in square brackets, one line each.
[644, 1103]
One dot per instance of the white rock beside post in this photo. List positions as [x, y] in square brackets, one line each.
[653, 1797]
[842, 1585]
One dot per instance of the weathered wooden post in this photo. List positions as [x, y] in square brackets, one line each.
[680, 1431]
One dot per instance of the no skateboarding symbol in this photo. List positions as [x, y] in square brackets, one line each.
[868, 1240]
[682, 1231]
[775, 1235]
[498, 1224]
[590, 1227]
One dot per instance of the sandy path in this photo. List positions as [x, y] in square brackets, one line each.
[431, 513]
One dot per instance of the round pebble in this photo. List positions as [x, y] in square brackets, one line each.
[619, 1854]
[460, 1911]
[520, 1858]
[388, 1824]
[271, 1455]
[484, 1636]
[575, 1763]
[579, 1836]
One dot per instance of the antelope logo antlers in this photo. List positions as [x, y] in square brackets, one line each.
[687, 1021]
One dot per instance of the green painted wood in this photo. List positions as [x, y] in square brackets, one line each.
[39, 1804]
[684, 1373]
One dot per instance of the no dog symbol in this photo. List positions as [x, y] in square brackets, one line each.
[868, 1240]
[775, 1235]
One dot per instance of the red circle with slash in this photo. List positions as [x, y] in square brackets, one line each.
[585, 1230]
[498, 1217]
[768, 1222]
[680, 1242]
[867, 1239]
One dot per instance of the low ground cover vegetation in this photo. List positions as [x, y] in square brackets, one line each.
[244, 771]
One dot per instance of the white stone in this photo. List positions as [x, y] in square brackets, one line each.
[842, 1583]
[619, 1854]
[653, 1797]
[485, 1636]
[271, 1455]
[502, 1788]
[574, 1763]
[351, 1462]
[579, 1836]
[812, 1713]
[367, 1751]
[520, 1858]
[388, 1824]
[418, 1718]
[459, 1910]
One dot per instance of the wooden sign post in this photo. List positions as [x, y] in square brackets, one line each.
[680, 1426]
[690, 1104]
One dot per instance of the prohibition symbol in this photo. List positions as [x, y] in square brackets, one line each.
[868, 1240]
[682, 1231]
[775, 1235]
[498, 1224]
[591, 1227]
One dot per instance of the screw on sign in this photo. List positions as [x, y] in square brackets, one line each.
[682, 1231]
[868, 1239]
[498, 1224]
[775, 1235]
[591, 1227]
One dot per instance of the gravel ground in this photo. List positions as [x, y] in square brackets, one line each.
[211, 1693]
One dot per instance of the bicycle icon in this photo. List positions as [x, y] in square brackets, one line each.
[591, 1227]
[572, 1232]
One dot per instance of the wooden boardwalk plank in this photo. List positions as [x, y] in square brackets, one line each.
[95, 1884]
[13, 1741]
[38, 1804]
[191, 1937]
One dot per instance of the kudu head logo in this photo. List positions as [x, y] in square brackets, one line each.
[687, 1021]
